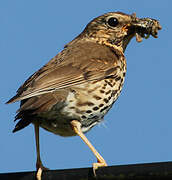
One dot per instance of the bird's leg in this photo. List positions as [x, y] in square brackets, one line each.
[76, 125]
[39, 166]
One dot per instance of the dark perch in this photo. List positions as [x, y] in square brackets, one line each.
[162, 170]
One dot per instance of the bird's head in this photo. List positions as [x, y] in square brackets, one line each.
[117, 28]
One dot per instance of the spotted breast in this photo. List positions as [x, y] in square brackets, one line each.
[87, 102]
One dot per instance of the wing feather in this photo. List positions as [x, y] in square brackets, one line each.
[73, 66]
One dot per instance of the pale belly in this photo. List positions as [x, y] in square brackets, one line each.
[87, 103]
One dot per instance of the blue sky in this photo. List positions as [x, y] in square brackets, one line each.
[138, 129]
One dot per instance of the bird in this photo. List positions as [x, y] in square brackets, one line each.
[73, 92]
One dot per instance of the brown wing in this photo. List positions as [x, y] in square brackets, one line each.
[76, 64]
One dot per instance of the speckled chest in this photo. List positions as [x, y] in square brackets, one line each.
[89, 102]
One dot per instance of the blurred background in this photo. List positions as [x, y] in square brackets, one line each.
[138, 129]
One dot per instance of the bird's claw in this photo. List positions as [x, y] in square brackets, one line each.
[97, 165]
[40, 168]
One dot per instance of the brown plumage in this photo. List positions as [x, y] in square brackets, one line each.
[76, 88]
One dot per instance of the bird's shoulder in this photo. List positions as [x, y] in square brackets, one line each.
[75, 64]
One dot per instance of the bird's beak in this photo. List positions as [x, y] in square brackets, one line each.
[126, 27]
[142, 27]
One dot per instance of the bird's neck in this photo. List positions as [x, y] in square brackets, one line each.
[103, 41]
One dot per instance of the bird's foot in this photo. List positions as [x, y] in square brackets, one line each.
[98, 164]
[40, 168]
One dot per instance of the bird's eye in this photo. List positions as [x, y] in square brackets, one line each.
[113, 22]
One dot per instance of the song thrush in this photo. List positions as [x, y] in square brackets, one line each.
[76, 88]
